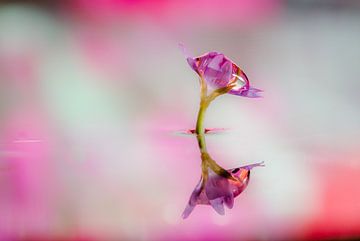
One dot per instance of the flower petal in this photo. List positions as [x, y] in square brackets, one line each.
[191, 61]
[251, 93]
[193, 64]
[188, 210]
[195, 194]
[242, 175]
[247, 167]
[219, 190]
[193, 200]
[229, 201]
[217, 186]
[216, 62]
[251, 166]
[218, 71]
[239, 186]
[218, 205]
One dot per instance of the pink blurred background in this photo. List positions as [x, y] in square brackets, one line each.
[93, 95]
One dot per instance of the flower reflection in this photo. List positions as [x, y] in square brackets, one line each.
[218, 190]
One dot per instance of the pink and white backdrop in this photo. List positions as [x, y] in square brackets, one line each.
[93, 95]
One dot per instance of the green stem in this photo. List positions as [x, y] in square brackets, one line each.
[200, 131]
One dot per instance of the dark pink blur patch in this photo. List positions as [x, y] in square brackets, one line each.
[195, 12]
[339, 208]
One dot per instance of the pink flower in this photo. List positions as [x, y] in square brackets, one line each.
[219, 190]
[218, 71]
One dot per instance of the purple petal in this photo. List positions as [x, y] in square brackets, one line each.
[218, 205]
[193, 64]
[229, 201]
[195, 194]
[191, 61]
[251, 93]
[242, 82]
[242, 174]
[219, 190]
[188, 210]
[194, 199]
[216, 62]
[240, 185]
[247, 167]
[251, 166]
[218, 71]
[216, 186]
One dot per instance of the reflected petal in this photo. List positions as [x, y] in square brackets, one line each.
[217, 186]
[193, 200]
[218, 205]
[219, 190]
[229, 201]
[188, 210]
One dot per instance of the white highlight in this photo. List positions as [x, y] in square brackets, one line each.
[28, 141]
